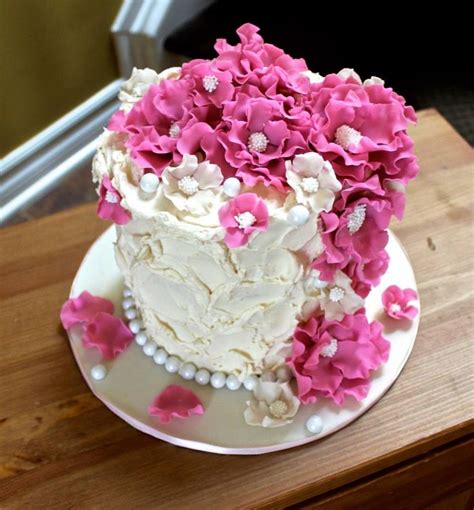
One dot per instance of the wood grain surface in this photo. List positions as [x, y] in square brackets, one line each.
[61, 448]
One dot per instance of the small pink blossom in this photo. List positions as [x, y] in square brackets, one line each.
[175, 402]
[396, 302]
[83, 309]
[109, 207]
[334, 359]
[108, 334]
[366, 275]
[241, 216]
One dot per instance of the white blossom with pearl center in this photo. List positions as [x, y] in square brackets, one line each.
[258, 142]
[313, 181]
[346, 136]
[192, 185]
[273, 404]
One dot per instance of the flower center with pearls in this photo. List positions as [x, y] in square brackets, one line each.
[329, 350]
[310, 184]
[356, 218]
[210, 83]
[188, 185]
[245, 219]
[346, 136]
[336, 294]
[258, 142]
[174, 130]
[111, 198]
[395, 308]
[278, 408]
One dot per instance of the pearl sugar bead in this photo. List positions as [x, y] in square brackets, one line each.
[202, 377]
[135, 326]
[160, 357]
[314, 424]
[250, 382]
[232, 382]
[98, 372]
[187, 371]
[150, 348]
[298, 215]
[218, 380]
[231, 187]
[172, 364]
[149, 183]
[141, 338]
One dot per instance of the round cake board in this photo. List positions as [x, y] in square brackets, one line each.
[133, 379]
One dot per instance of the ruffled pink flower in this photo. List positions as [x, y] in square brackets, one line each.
[396, 302]
[175, 402]
[108, 207]
[334, 359]
[256, 139]
[241, 216]
[210, 85]
[83, 309]
[366, 275]
[362, 129]
[252, 55]
[108, 334]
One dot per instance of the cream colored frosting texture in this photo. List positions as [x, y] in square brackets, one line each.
[231, 310]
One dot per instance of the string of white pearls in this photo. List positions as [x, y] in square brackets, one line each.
[188, 371]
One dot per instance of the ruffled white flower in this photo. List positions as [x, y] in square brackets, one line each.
[139, 82]
[191, 186]
[347, 73]
[313, 180]
[336, 298]
[112, 158]
[273, 404]
[373, 80]
[313, 77]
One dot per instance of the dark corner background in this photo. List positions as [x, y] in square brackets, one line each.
[430, 67]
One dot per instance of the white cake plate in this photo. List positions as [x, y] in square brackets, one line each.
[133, 379]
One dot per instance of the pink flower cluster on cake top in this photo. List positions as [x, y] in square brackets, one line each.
[257, 117]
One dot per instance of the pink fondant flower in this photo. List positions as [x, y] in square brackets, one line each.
[366, 275]
[175, 402]
[256, 138]
[241, 216]
[210, 85]
[252, 55]
[108, 334]
[334, 359]
[362, 129]
[109, 207]
[83, 309]
[396, 302]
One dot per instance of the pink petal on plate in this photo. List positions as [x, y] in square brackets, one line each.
[83, 309]
[175, 402]
[107, 333]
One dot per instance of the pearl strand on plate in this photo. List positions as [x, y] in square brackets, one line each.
[189, 371]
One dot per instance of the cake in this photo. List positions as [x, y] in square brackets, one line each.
[252, 199]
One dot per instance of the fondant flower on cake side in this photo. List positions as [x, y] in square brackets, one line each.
[242, 216]
[109, 207]
[175, 402]
[334, 359]
[273, 404]
[396, 302]
[313, 181]
[83, 309]
[108, 334]
[190, 185]
[335, 298]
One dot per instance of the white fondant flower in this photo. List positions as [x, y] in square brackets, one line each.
[347, 73]
[373, 80]
[191, 185]
[313, 77]
[336, 298]
[273, 404]
[139, 82]
[112, 158]
[313, 180]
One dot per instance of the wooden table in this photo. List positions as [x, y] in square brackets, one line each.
[61, 448]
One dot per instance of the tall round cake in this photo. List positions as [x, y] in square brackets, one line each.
[252, 199]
